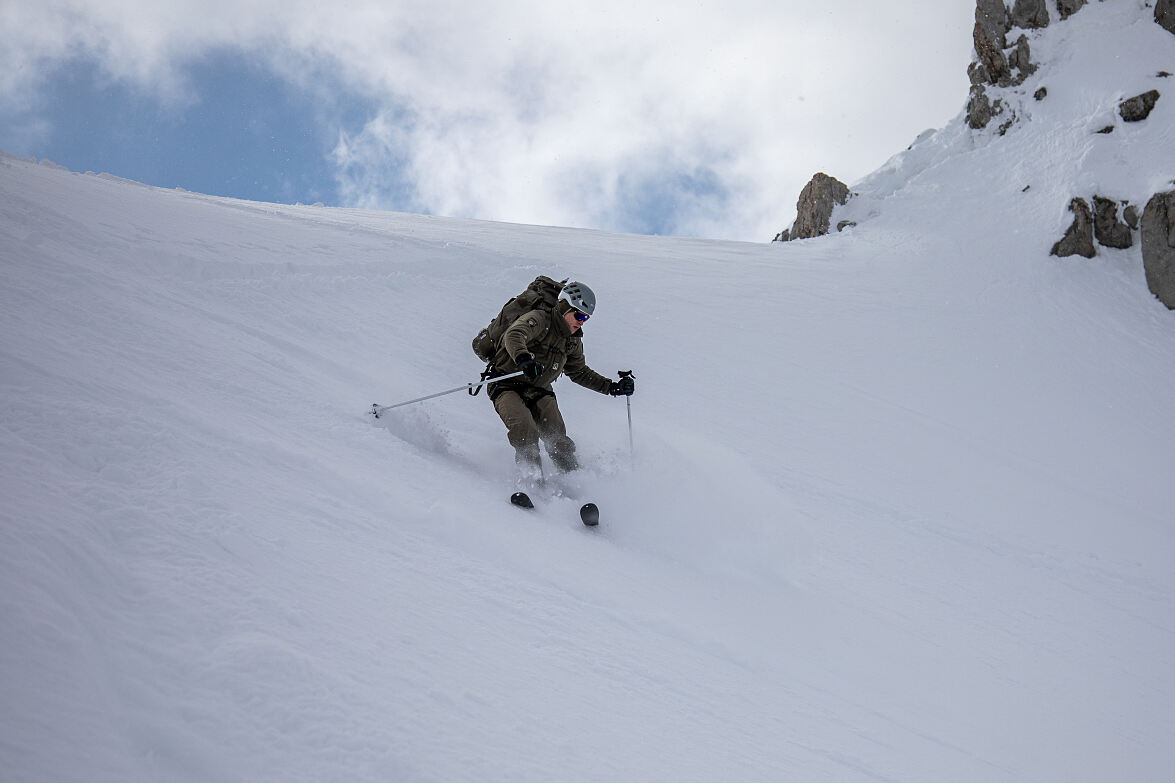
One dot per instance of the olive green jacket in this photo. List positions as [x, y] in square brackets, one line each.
[548, 338]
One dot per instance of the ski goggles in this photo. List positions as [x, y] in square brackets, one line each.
[580, 315]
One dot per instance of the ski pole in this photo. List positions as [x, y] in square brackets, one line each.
[377, 409]
[631, 448]
[628, 403]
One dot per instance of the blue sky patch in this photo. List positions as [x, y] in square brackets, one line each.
[246, 132]
[656, 202]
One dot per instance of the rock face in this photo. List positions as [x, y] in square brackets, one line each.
[979, 109]
[1109, 230]
[1067, 8]
[1139, 107]
[1021, 60]
[1078, 240]
[998, 63]
[1101, 223]
[990, 35]
[1131, 216]
[814, 209]
[1158, 246]
[1165, 14]
[1030, 14]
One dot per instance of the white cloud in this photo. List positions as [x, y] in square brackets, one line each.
[536, 111]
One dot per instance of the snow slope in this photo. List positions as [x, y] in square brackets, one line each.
[899, 508]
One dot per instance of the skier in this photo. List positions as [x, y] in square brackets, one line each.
[545, 344]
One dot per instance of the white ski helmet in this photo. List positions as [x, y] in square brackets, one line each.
[579, 296]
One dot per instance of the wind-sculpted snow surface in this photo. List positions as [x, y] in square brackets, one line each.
[898, 507]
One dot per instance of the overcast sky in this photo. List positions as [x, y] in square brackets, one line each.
[685, 118]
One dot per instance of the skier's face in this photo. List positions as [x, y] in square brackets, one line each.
[573, 322]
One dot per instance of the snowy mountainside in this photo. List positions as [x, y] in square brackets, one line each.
[1052, 151]
[899, 506]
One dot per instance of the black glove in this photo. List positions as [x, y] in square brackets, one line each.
[530, 368]
[623, 387]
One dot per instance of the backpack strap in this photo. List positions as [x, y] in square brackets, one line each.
[486, 375]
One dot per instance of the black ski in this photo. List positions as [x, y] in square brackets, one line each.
[589, 513]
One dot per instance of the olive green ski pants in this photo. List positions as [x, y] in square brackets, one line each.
[530, 415]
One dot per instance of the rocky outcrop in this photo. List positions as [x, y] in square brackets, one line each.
[1158, 246]
[1107, 228]
[990, 36]
[1078, 240]
[1101, 223]
[1067, 8]
[1030, 14]
[996, 64]
[1165, 14]
[1139, 107]
[814, 208]
[979, 110]
[1020, 58]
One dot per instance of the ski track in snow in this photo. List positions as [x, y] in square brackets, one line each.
[897, 508]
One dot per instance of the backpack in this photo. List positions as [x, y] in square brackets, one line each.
[541, 294]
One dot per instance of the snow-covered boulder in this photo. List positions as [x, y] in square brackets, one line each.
[1109, 230]
[1078, 239]
[1030, 14]
[979, 108]
[1020, 58]
[1139, 107]
[1067, 8]
[1158, 246]
[1165, 14]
